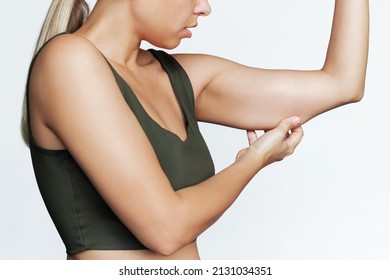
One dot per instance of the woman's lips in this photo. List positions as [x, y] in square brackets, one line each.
[188, 33]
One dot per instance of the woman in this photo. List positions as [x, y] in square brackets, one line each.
[112, 128]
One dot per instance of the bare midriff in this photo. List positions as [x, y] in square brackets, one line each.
[188, 252]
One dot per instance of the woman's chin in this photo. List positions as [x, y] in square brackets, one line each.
[168, 45]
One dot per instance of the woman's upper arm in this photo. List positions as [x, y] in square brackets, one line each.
[245, 97]
[84, 107]
[235, 95]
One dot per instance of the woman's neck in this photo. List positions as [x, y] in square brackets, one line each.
[112, 31]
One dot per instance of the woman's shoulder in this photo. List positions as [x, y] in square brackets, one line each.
[67, 49]
[67, 58]
[195, 65]
[67, 62]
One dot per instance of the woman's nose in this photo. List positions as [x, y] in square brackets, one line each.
[203, 8]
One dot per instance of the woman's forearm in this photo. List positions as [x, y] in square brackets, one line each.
[347, 55]
[199, 206]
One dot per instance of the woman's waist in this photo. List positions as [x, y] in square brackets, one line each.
[188, 252]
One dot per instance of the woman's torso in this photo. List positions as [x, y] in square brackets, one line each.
[86, 224]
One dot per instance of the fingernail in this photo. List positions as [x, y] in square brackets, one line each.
[296, 121]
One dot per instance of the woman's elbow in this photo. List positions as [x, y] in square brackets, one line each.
[165, 242]
[356, 93]
[347, 87]
[349, 91]
[165, 249]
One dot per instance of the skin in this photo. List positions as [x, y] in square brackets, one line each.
[71, 81]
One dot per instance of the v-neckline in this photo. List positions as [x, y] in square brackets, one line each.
[186, 119]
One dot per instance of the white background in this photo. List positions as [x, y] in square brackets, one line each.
[330, 200]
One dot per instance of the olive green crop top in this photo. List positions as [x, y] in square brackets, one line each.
[82, 218]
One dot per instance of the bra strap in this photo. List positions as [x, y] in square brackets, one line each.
[180, 81]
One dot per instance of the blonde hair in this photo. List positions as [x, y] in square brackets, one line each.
[62, 16]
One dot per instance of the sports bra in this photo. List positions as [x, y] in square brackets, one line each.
[82, 218]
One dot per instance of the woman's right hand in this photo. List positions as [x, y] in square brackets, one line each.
[275, 144]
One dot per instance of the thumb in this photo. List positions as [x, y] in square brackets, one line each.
[252, 136]
[295, 137]
[289, 124]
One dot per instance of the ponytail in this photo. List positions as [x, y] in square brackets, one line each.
[63, 16]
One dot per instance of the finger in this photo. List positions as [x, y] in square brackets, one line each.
[295, 137]
[252, 136]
